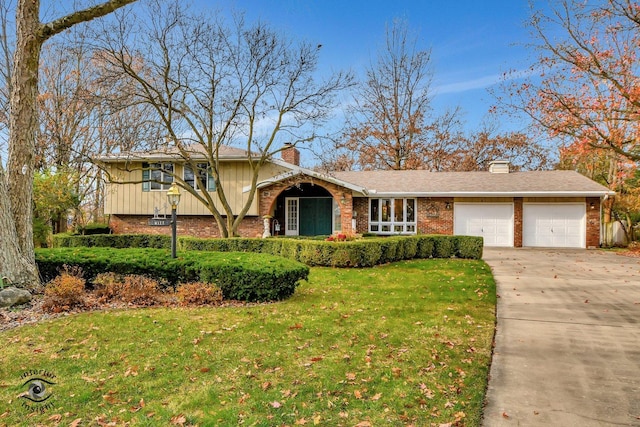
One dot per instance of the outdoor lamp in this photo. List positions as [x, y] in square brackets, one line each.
[173, 196]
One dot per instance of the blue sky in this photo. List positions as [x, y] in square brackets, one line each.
[473, 42]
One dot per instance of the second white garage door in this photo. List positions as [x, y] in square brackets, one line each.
[492, 221]
[554, 225]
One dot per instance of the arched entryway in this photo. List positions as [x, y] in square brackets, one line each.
[306, 209]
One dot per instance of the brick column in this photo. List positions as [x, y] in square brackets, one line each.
[517, 222]
[593, 222]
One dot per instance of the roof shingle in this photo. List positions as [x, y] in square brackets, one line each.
[420, 182]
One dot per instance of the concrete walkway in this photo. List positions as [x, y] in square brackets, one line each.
[568, 339]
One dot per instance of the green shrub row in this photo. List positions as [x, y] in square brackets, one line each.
[68, 240]
[241, 276]
[356, 253]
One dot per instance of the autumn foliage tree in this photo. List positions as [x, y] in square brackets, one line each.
[585, 88]
[17, 258]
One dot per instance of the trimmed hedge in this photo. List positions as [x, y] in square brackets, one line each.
[68, 240]
[241, 276]
[355, 253]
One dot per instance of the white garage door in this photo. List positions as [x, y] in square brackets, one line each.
[560, 225]
[492, 221]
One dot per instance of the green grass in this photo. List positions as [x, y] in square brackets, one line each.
[402, 344]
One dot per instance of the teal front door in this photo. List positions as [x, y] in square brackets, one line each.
[315, 216]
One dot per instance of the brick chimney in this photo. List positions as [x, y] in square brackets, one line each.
[290, 154]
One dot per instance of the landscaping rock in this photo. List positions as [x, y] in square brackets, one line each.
[13, 296]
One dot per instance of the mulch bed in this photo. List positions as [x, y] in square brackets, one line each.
[33, 312]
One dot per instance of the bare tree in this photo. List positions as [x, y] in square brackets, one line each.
[7, 41]
[17, 259]
[390, 123]
[83, 113]
[214, 85]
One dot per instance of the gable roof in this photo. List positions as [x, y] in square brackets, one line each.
[300, 171]
[422, 183]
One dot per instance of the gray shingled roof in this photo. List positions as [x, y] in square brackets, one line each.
[172, 153]
[425, 183]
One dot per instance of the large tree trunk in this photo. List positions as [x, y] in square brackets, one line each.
[22, 130]
[17, 258]
[18, 269]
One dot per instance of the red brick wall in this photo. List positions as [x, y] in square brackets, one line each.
[361, 209]
[435, 216]
[593, 222]
[517, 222]
[268, 196]
[188, 225]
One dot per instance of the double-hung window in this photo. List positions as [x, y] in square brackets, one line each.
[157, 176]
[202, 175]
[392, 216]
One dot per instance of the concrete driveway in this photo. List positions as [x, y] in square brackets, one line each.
[568, 339]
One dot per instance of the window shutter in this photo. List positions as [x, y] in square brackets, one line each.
[146, 179]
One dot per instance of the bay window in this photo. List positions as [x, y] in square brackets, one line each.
[392, 216]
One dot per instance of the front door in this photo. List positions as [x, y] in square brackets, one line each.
[315, 216]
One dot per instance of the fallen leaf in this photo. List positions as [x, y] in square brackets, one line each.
[178, 420]
[376, 396]
[301, 422]
[204, 370]
[275, 404]
[504, 415]
[76, 422]
[357, 394]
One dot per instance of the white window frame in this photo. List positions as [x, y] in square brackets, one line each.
[291, 216]
[392, 226]
[336, 216]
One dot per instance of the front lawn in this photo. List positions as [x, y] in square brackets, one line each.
[407, 343]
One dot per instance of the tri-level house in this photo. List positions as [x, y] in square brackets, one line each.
[506, 208]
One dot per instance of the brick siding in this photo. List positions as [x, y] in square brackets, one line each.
[593, 222]
[188, 225]
[517, 222]
[435, 216]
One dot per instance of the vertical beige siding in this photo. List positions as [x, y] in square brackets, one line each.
[129, 199]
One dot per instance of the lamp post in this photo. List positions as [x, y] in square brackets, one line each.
[173, 196]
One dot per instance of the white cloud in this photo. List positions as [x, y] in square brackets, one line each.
[482, 82]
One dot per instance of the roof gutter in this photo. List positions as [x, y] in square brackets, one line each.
[374, 193]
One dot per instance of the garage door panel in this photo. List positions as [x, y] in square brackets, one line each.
[554, 225]
[493, 222]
